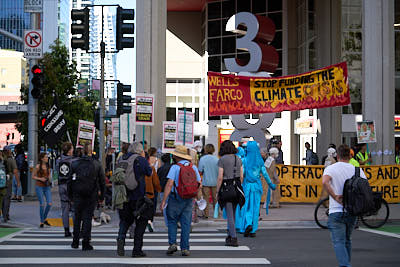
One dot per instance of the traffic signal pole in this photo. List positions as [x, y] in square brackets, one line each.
[32, 119]
[102, 105]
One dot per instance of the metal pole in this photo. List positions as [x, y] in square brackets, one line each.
[32, 118]
[184, 126]
[101, 130]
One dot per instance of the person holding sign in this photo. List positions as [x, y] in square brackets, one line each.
[363, 157]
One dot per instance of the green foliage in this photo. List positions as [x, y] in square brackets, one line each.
[61, 81]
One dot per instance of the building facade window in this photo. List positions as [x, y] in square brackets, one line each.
[352, 51]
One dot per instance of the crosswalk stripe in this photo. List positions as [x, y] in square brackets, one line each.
[115, 235]
[68, 247]
[136, 261]
[154, 240]
[114, 230]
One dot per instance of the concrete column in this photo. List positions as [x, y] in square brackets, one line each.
[378, 91]
[151, 25]
[291, 30]
[328, 27]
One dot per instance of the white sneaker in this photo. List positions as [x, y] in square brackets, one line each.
[94, 223]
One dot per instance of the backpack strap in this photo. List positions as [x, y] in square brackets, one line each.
[357, 171]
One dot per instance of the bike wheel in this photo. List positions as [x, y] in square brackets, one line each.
[378, 218]
[321, 213]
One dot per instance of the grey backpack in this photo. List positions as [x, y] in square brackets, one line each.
[127, 164]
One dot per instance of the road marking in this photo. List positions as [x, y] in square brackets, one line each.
[155, 240]
[68, 247]
[8, 237]
[115, 235]
[115, 230]
[136, 261]
[380, 232]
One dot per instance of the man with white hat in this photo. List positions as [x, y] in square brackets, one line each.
[179, 208]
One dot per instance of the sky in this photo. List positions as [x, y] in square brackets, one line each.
[126, 59]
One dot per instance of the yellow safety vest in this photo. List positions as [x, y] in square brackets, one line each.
[363, 157]
[398, 159]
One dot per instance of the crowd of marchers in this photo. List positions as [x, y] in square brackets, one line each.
[187, 180]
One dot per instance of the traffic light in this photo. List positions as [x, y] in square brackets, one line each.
[37, 82]
[82, 28]
[125, 28]
[121, 99]
[8, 136]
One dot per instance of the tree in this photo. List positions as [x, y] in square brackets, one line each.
[61, 81]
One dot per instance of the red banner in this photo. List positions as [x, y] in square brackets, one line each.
[231, 94]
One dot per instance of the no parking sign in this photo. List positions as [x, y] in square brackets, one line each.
[33, 44]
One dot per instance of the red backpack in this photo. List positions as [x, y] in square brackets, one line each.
[188, 186]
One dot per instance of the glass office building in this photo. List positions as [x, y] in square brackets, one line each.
[14, 20]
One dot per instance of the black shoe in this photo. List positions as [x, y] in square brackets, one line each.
[46, 223]
[233, 242]
[75, 243]
[172, 249]
[138, 254]
[252, 235]
[121, 247]
[41, 225]
[248, 230]
[86, 246]
[67, 233]
[228, 240]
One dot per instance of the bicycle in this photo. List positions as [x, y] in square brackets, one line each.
[375, 219]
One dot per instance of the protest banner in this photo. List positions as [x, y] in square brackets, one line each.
[53, 125]
[300, 183]
[169, 136]
[230, 94]
[366, 132]
[185, 134]
[86, 133]
[144, 109]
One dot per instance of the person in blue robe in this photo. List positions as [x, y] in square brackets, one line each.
[253, 167]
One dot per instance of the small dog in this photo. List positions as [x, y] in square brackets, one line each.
[104, 217]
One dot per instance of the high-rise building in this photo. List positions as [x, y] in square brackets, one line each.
[109, 40]
[13, 19]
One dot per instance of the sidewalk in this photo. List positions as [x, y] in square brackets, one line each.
[26, 215]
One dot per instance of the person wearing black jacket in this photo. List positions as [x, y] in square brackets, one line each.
[85, 187]
[135, 211]
[64, 168]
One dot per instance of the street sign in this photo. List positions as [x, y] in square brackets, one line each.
[33, 44]
[33, 6]
[13, 108]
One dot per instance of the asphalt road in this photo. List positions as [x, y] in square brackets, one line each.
[279, 247]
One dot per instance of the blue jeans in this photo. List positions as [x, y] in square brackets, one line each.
[16, 190]
[164, 211]
[179, 210]
[44, 192]
[341, 226]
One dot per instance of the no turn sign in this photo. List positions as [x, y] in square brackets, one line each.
[33, 44]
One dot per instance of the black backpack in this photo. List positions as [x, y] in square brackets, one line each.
[358, 198]
[84, 178]
[314, 158]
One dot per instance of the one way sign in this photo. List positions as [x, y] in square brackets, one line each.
[33, 44]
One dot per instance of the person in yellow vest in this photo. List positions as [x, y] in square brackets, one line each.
[363, 157]
[352, 160]
[397, 154]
